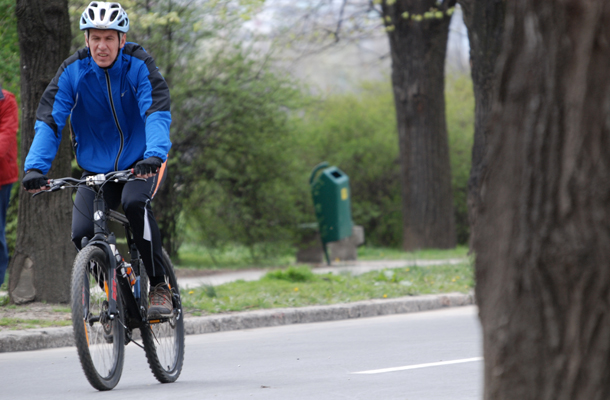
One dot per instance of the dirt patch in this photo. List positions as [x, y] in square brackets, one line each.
[43, 315]
[34, 315]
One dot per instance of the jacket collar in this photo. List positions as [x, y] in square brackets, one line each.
[113, 70]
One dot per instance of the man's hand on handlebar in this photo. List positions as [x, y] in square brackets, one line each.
[34, 181]
[148, 167]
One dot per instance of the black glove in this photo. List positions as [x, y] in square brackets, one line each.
[149, 166]
[34, 179]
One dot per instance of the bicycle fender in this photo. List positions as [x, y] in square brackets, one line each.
[112, 288]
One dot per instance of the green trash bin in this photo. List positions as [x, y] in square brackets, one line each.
[331, 199]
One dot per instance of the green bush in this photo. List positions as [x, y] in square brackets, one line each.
[236, 153]
[292, 274]
[9, 48]
[459, 99]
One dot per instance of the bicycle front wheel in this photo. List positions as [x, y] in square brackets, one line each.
[100, 340]
[164, 339]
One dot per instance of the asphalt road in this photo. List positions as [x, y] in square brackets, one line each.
[420, 356]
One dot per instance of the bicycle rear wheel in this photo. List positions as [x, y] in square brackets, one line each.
[164, 340]
[100, 341]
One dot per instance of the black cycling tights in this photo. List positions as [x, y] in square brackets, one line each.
[135, 197]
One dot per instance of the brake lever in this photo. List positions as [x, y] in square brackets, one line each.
[49, 190]
[44, 191]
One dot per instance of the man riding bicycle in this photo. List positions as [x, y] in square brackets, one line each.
[119, 109]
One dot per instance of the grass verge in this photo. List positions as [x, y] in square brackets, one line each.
[299, 286]
[19, 323]
[382, 253]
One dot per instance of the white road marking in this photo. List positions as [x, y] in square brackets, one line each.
[436, 364]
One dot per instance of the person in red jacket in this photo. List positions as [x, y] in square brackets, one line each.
[9, 172]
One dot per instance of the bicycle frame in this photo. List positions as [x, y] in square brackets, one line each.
[130, 298]
[136, 315]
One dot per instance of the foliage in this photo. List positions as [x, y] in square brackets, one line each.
[292, 274]
[459, 100]
[235, 150]
[9, 48]
[232, 256]
[432, 13]
[330, 289]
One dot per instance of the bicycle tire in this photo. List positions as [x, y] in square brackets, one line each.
[164, 342]
[100, 342]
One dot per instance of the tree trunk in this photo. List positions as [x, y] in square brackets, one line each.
[418, 46]
[543, 253]
[41, 266]
[485, 22]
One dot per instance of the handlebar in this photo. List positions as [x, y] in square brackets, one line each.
[91, 180]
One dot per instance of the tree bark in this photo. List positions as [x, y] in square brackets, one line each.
[542, 266]
[418, 48]
[41, 266]
[485, 22]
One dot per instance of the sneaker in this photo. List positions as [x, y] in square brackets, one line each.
[160, 302]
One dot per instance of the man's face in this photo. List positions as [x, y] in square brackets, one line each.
[104, 46]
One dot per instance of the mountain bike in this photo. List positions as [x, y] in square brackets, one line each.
[109, 297]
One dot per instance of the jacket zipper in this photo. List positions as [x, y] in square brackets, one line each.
[116, 121]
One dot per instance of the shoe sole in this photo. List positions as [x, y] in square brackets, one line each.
[157, 315]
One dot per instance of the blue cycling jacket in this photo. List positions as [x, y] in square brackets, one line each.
[118, 115]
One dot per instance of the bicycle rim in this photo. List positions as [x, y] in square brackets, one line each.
[100, 341]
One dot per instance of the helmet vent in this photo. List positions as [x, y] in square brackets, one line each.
[104, 15]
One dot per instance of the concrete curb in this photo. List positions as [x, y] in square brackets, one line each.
[35, 339]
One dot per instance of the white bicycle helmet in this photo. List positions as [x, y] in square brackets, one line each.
[103, 15]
